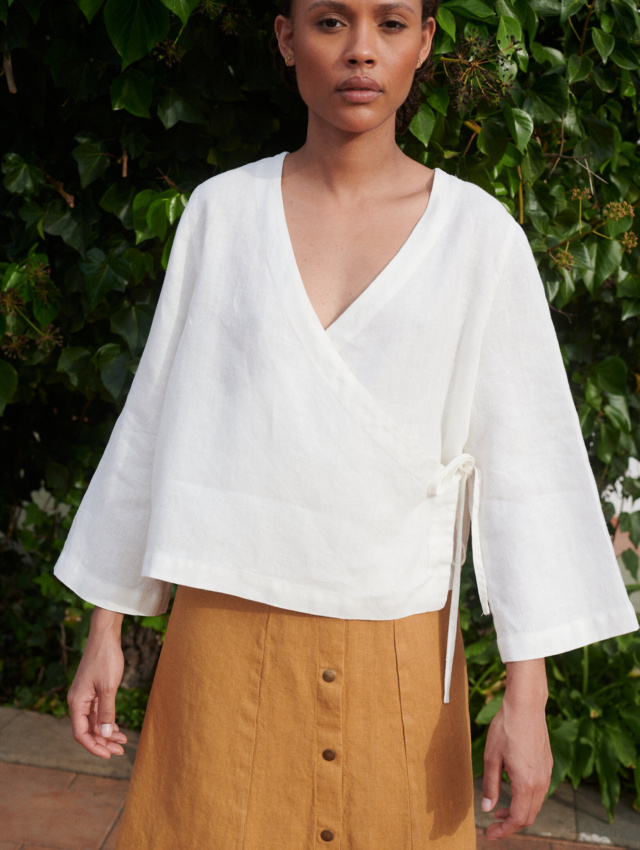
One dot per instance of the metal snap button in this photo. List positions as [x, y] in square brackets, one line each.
[329, 755]
[326, 835]
[329, 675]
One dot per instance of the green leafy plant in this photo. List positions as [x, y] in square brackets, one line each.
[114, 110]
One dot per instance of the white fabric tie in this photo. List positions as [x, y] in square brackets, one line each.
[458, 471]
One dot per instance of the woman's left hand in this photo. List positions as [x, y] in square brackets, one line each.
[518, 743]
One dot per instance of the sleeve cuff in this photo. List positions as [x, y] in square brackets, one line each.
[568, 636]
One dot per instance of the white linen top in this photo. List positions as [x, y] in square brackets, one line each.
[339, 472]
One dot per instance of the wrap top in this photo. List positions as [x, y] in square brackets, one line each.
[339, 472]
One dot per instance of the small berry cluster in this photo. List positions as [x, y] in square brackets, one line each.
[615, 210]
[629, 241]
[578, 194]
[480, 71]
[562, 259]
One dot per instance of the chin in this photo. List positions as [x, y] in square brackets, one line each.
[357, 121]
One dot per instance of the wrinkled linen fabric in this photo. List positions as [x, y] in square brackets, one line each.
[340, 471]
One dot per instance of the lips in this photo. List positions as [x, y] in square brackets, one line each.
[360, 83]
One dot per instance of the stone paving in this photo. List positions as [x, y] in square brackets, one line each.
[55, 796]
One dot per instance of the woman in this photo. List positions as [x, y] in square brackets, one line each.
[346, 341]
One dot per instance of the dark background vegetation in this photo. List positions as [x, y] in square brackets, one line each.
[112, 112]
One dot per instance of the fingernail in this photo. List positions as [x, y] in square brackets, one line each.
[486, 804]
[106, 730]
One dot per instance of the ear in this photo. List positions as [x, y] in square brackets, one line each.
[284, 33]
[428, 32]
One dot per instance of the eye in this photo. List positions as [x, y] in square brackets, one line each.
[394, 25]
[330, 23]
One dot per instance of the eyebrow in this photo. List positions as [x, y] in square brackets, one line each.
[336, 6]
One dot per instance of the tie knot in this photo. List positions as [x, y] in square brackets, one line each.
[441, 481]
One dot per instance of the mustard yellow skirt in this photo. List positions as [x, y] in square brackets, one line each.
[272, 729]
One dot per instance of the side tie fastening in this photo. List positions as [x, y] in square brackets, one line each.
[457, 472]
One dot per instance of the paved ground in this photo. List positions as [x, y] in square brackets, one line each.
[55, 796]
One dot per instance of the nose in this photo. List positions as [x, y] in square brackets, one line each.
[361, 49]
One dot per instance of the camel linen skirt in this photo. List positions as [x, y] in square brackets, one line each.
[272, 729]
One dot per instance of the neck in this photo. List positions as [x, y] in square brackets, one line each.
[347, 164]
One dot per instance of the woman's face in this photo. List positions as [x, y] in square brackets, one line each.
[354, 59]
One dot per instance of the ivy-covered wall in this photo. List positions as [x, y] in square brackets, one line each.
[114, 110]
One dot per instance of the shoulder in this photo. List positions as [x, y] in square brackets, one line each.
[237, 184]
[477, 215]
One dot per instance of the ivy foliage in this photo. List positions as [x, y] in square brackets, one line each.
[114, 110]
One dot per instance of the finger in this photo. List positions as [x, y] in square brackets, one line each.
[491, 782]
[82, 732]
[106, 710]
[518, 813]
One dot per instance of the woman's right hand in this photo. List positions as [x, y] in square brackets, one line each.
[92, 696]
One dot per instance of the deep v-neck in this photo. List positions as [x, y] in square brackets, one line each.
[378, 290]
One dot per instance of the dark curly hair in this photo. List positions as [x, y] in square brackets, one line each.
[421, 75]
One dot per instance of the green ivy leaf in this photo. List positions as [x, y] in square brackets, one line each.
[546, 55]
[631, 524]
[45, 313]
[20, 177]
[118, 199]
[490, 709]
[587, 417]
[112, 362]
[135, 27]
[624, 57]
[534, 164]
[474, 9]
[422, 124]
[630, 309]
[92, 161]
[181, 8]
[608, 255]
[74, 361]
[8, 383]
[508, 28]
[132, 323]
[603, 42]
[61, 220]
[446, 21]
[520, 125]
[607, 442]
[569, 8]
[141, 204]
[631, 561]
[617, 412]
[492, 140]
[439, 99]
[548, 97]
[173, 108]
[166, 251]
[579, 68]
[90, 8]
[562, 735]
[103, 273]
[607, 770]
[132, 91]
[610, 374]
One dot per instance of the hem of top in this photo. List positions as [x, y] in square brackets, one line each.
[569, 636]
[306, 599]
[107, 595]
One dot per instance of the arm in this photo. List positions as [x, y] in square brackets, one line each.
[104, 552]
[518, 742]
[92, 695]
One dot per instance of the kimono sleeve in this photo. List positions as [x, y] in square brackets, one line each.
[553, 580]
[104, 551]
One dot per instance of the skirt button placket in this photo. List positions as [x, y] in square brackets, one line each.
[328, 778]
